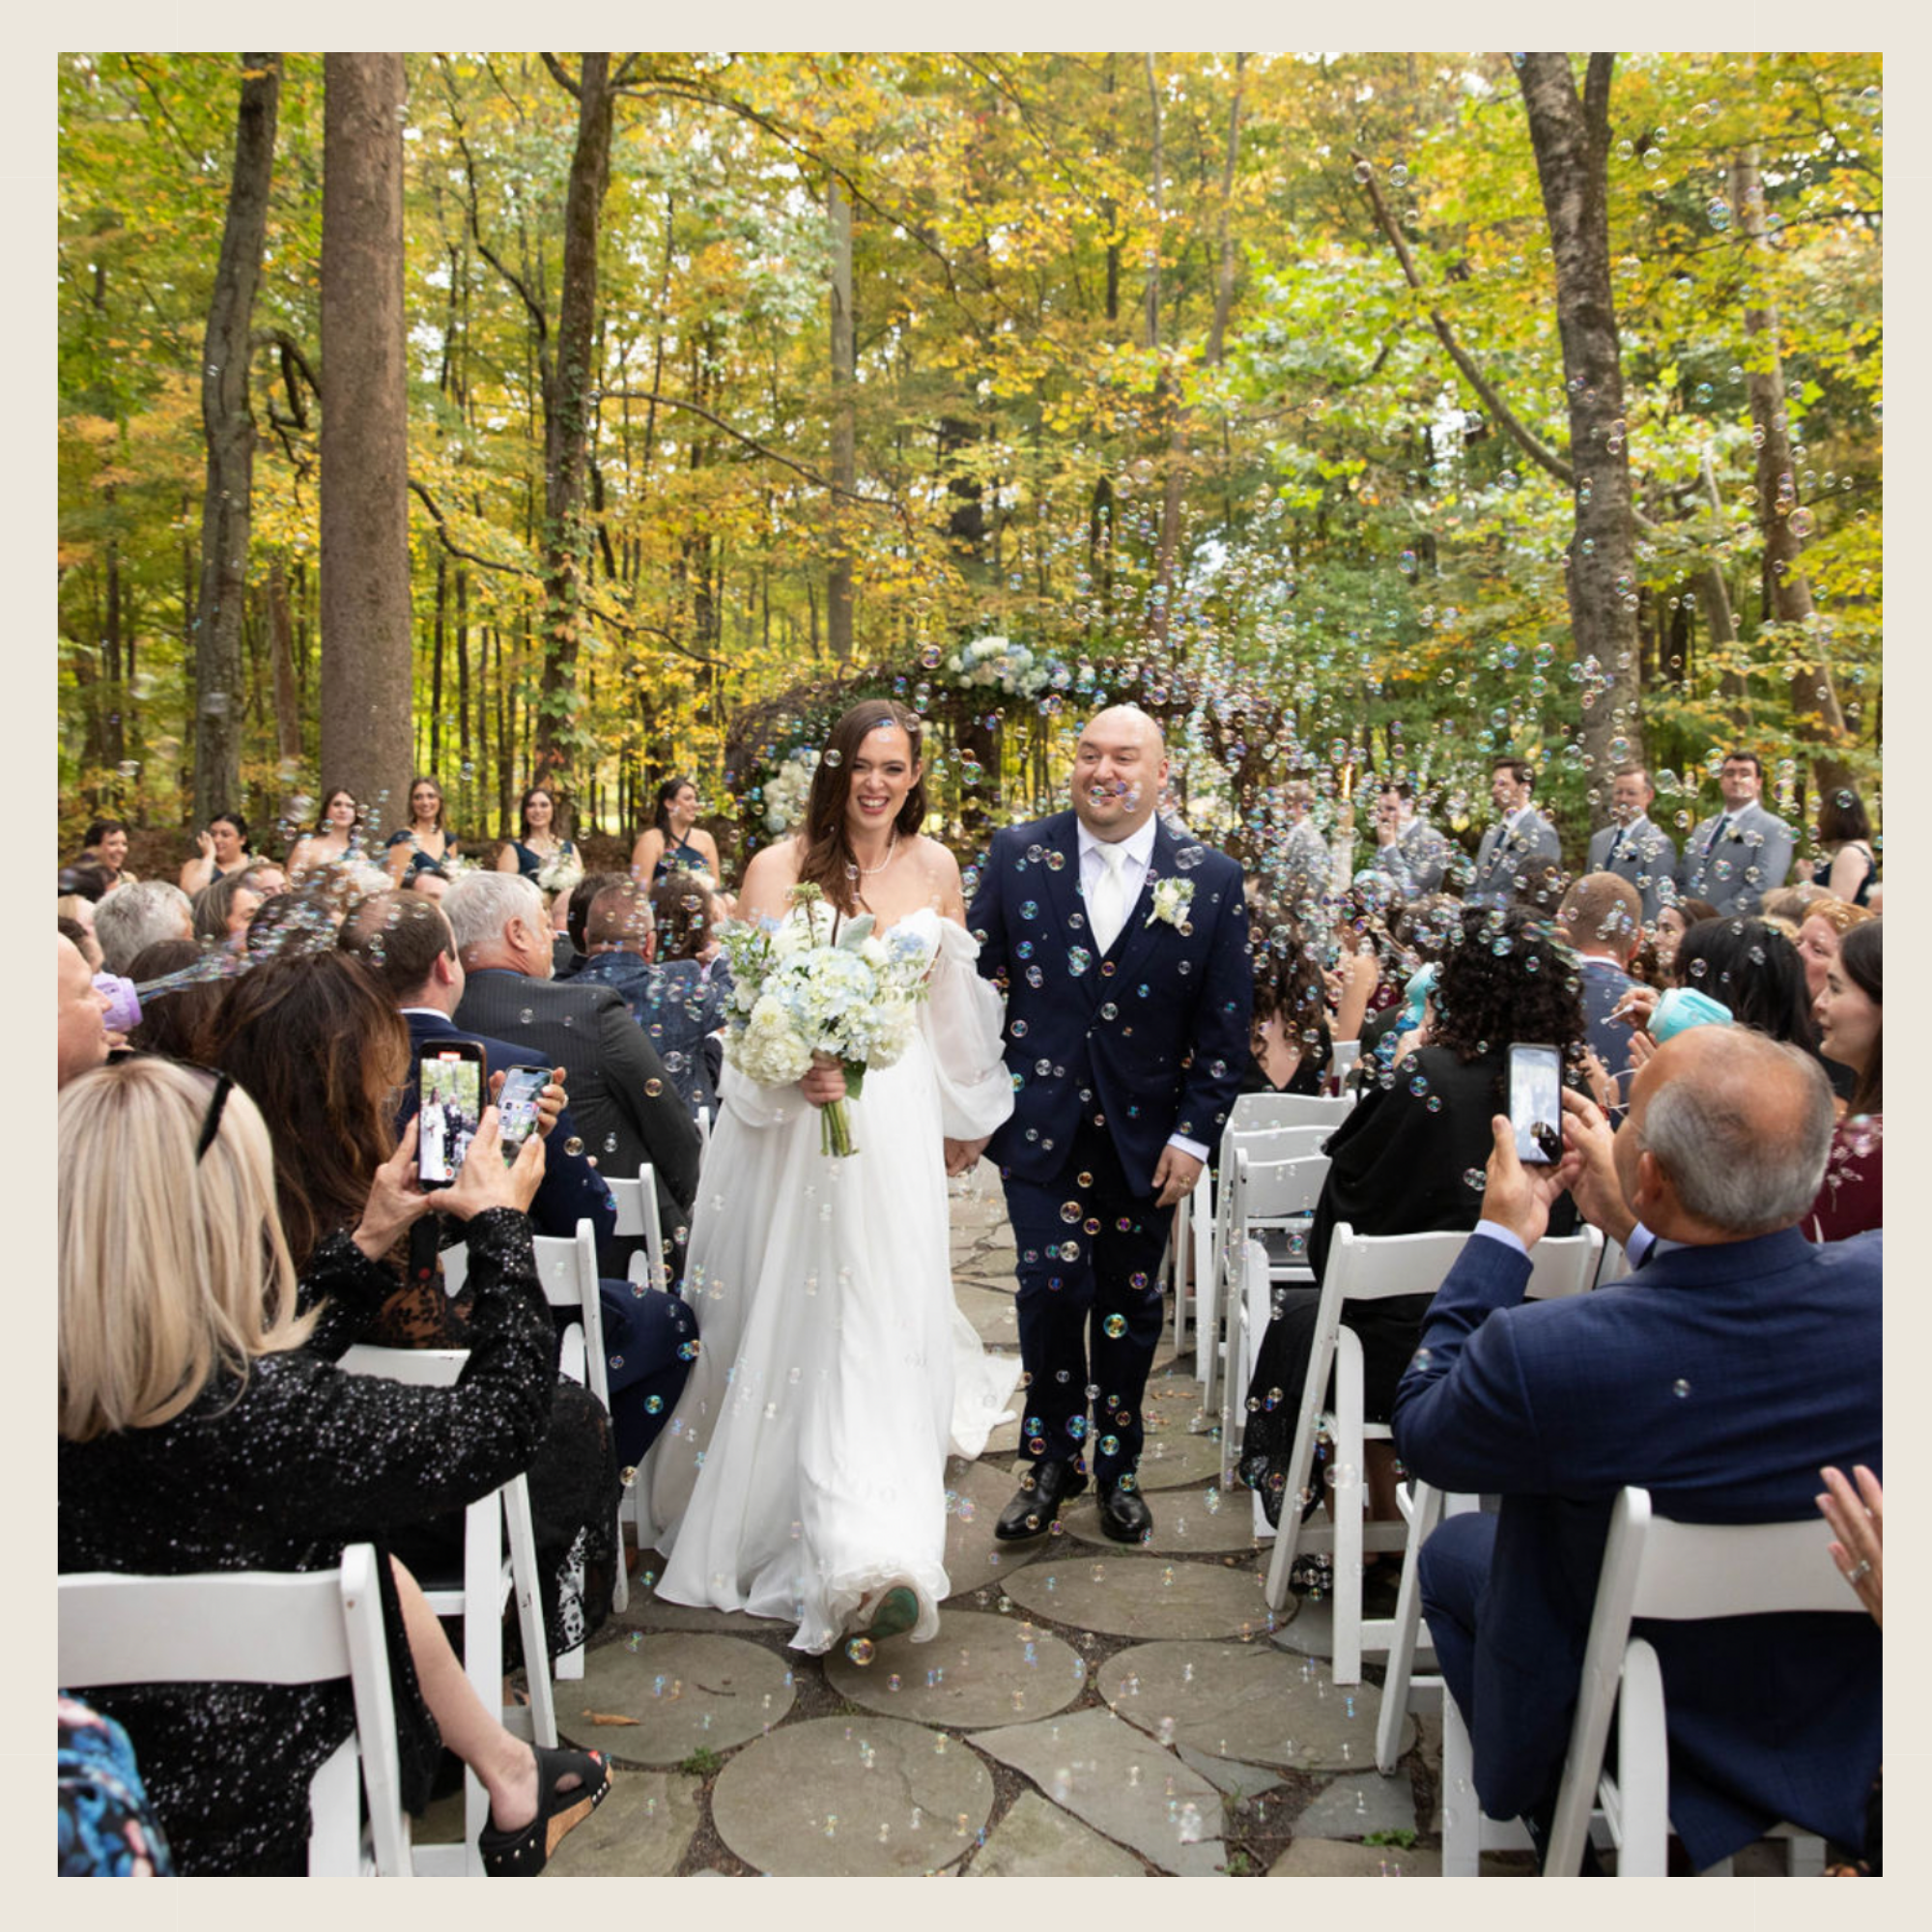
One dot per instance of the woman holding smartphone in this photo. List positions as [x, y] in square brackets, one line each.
[325, 1055]
[204, 1426]
[1409, 1160]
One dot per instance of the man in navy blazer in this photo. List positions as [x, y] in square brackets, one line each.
[1721, 1374]
[1122, 948]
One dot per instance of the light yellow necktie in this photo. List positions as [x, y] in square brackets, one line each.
[1107, 905]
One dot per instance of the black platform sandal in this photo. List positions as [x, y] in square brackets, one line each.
[525, 1854]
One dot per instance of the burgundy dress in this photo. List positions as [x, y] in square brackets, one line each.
[1852, 1199]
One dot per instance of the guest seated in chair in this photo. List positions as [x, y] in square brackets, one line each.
[326, 1056]
[1735, 1362]
[1402, 1164]
[203, 1427]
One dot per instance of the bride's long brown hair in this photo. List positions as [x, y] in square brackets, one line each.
[828, 860]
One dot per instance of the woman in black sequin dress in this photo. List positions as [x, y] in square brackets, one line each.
[323, 1054]
[203, 1427]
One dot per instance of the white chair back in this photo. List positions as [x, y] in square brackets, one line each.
[1275, 1143]
[1680, 1571]
[638, 1214]
[1367, 1267]
[254, 1627]
[1253, 1111]
[1567, 1266]
[487, 1581]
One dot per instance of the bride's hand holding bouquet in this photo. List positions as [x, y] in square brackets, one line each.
[817, 999]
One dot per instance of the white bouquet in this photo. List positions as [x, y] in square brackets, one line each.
[561, 872]
[818, 982]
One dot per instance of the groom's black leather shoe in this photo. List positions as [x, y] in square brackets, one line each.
[1124, 1515]
[1038, 1501]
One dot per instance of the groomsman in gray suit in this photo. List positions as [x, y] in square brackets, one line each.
[1520, 841]
[1737, 855]
[1630, 846]
[1408, 850]
[1303, 875]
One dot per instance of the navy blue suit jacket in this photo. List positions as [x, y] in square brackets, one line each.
[1722, 1380]
[1156, 1029]
[571, 1189]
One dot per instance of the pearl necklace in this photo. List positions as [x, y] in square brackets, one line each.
[872, 872]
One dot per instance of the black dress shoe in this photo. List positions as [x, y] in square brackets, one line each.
[1037, 1500]
[1124, 1515]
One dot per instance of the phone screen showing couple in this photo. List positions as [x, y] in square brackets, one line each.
[451, 1087]
[1536, 1102]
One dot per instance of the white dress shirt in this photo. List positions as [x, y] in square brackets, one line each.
[1138, 850]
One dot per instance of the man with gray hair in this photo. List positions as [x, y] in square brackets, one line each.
[620, 1090]
[1732, 1364]
[130, 919]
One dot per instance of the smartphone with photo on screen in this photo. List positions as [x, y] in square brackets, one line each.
[1536, 1102]
[517, 1107]
[450, 1078]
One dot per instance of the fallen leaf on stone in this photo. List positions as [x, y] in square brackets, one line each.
[609, 1718]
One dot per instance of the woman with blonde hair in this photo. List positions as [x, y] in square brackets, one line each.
[203, 1427]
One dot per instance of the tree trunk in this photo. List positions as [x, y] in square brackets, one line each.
[568, 381]
[367, 658]
[1814, 700]
[230, 432]
[844, 467]
[1571, 138]
[282, 658]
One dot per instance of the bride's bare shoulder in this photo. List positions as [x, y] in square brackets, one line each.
[939, 876]
[769, 877]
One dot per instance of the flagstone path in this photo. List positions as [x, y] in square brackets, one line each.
[1085, 1710]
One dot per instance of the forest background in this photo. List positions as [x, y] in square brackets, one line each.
[1363, 416]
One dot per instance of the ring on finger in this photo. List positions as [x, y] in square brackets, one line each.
[1858, 1572]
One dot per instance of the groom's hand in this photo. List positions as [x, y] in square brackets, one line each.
[962, 1156]
[1175, 1176]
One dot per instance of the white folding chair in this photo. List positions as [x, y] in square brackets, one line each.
[1262, 1197]
[638, 1214]
[1213, 1213]
[1680, 1573]
[488, 1583]
[567, 1267]
[1364, 1267]
[1558, 1268]
[258, 1627]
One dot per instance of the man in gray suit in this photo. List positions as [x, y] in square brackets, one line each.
[1630, 846]
[1737, 855]
[1302, 874]
[1521, 842]
[628, 1105]
[1408, 850]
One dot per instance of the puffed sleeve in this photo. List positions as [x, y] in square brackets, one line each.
[963, 1019]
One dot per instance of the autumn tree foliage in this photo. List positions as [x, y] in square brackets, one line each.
[1247, 385]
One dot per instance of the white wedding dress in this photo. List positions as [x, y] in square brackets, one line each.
[803, 1469]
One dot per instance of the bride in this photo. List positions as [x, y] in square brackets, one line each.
[803, 1475]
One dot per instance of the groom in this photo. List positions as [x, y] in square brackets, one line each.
[1123, 950]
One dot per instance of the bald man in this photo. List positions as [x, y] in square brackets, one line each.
[1123, 950]
[1735, 1362]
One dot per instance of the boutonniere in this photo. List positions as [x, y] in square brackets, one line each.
[1171, 900]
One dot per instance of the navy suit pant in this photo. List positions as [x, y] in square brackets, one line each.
[1090, 1307]
[645, 1333]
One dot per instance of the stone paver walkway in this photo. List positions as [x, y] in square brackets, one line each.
[1086, 1710]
